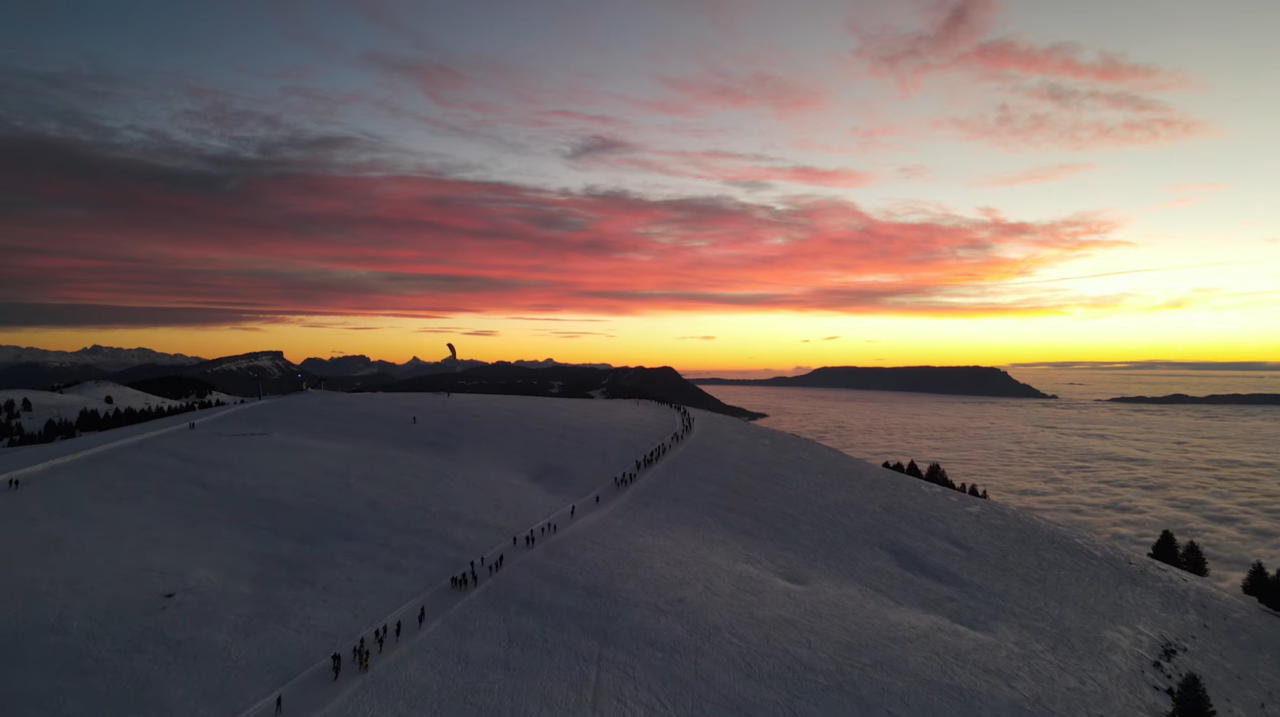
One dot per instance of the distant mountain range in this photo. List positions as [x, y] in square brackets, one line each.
[1217, 399]
[952, 380]
[269, 371]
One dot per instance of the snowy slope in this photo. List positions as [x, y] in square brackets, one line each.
[750, 573]
[280, 531]
[90, 394]
[761, 574]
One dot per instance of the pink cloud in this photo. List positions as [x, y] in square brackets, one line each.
[724, 90]
[1064, 61]
[1034, 95]
[711, 165]
[146, 235]
[1016, 126]
[1039, 175]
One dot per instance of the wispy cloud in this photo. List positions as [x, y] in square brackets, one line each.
[1039, 175]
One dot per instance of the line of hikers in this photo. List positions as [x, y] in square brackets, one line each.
[470, 578]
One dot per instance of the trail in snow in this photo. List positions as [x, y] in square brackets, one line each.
[90, 448]
[316, 689]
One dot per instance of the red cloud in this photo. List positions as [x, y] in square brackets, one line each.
[1039, 175]
[127, 232]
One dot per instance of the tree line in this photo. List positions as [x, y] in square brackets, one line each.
[89, 420]
[936, 475]
[1189, 557]
[1263, 586]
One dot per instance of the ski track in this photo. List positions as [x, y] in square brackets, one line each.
[24, 472]
[314, 691]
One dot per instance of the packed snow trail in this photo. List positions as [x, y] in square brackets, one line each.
[316, 689]
[92, 447]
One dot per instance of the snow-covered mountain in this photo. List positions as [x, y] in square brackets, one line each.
[749, 573]
[105, 358]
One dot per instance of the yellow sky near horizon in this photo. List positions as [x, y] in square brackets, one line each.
[741, 342]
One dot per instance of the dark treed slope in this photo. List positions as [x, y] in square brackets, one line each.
[176, 388]
[1217, 399]
[659, 384]
[953, 380]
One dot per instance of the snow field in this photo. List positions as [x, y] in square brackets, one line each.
[279, 534]
[90, 394]
[757, 573]
[316, 689]
[750, 573]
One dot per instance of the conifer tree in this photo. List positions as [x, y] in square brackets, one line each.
[1270, 596]
[1255, 581]
[1193, 560]
[913, 470]
[26, 404]
[886, 465]
[1165, 549]
[1191, 699]
[973, 491]
[984, 494]
[899, 467]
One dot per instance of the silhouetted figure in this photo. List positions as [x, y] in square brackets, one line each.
[397, 631]
[481, 562]
[279, 704]
[597, 498]
[422, 615]
[513, 541]
[553, 528]
[415, 420]
[572, 509]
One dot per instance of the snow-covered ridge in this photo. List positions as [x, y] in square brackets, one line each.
[106, 358]
[265, 364]
[753, 573]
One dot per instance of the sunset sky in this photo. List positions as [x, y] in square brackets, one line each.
[704, 184]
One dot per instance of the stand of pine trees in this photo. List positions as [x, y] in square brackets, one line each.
[1189, 557]
[936, 475]
[1260, 584]
[91, 420]
[1191, 699]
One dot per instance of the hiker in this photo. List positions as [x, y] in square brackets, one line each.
[597, 497]
[526, 541]
[481, 563]
[397, 631]
[415, 420]
[422, 615]
[513, 538]
[279, 704]
[553, 527]
[572, 509]
[490, 571]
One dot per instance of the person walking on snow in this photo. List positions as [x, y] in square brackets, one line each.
[397, 631]
[422, 615]
[279, 704]
[573, 508]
